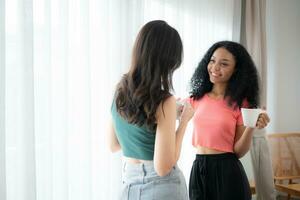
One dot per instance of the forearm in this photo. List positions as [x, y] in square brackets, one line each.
[242, 146]
[179, 137]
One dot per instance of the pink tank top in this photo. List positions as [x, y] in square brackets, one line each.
[214, 123]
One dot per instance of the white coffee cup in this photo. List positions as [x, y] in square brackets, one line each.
[250, 116]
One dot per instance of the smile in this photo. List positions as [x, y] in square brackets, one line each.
[215, 75]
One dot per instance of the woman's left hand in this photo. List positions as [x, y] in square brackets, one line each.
[262, 121]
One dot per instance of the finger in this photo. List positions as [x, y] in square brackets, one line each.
[266, 117]
[263, 120]
[259, 125]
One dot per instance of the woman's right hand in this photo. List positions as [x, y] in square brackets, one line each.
[187, 113]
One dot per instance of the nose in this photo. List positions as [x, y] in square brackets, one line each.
[215, 67]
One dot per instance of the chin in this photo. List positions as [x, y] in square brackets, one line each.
[213, 80]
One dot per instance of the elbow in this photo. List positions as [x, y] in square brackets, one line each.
[237, 153]
[240, 151]
[115, 148]
[164, 169]
[240, 154]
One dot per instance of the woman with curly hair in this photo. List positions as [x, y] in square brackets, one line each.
[225, 80]
[143, 122]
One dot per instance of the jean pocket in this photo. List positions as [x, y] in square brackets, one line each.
[168, 180]
[173, 172]
[168, 188]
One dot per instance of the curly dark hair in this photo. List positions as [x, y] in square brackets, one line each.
[157, 53]
[243, 84]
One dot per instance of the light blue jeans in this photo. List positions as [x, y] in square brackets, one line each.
[141, 182]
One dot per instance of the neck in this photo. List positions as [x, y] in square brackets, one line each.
[219, 89]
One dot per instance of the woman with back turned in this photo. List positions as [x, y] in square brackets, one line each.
[143, 122]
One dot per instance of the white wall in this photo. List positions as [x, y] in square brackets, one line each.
[283, 63]
[283, 52]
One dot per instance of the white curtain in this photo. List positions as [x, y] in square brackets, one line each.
[59, 63]
[2, 102]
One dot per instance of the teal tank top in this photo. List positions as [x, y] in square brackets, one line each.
[136, 141]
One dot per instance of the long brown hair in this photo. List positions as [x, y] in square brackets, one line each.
[157, 53]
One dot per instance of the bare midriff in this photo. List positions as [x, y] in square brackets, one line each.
[206, 150]
[136, 161]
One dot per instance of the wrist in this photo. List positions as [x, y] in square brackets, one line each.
[183, 122]
[249, 130]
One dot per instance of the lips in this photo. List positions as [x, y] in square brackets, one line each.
[215, 74]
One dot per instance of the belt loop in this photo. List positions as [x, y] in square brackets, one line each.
[144, 169]
[124, 166]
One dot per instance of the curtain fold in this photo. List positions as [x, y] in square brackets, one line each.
[253, 36]
[19, 102]
[2, 102]
[60, 61]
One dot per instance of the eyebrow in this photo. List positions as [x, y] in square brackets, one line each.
[221, 59]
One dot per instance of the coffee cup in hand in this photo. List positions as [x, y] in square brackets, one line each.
[250, 116]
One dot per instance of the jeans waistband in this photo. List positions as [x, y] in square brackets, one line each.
[141, 167]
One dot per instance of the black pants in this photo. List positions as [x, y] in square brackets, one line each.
[218, 177]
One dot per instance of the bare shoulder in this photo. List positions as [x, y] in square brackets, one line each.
[170, 101]
[167, 107]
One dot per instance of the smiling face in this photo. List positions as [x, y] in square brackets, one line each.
[221, 66]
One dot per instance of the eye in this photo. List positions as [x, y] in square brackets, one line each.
[224, 64]
[212, 61]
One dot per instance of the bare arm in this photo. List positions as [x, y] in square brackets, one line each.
[243, 135]
[243, 139]
[185, 117]
[113, 142]
[164, 150]
[168, 141]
